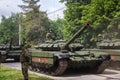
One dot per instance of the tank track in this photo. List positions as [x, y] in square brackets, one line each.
[58, 69]
[114, 65]
[102, 67]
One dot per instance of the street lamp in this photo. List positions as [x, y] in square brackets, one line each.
[20, 27]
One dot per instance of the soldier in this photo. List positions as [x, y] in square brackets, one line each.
[24, 58]
[106, 35]
[0, 58]
[50, 35]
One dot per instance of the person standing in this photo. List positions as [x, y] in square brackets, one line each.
[24, 58]
[0, 58]
[106, 35]
[50, 35]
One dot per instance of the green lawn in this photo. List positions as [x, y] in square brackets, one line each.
[13, 74]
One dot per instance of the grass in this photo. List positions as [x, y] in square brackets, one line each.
[13, 74]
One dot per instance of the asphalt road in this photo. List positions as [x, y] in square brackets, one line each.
[106, 75]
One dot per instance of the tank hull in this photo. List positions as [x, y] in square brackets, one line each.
[56, 63]
[115, 53]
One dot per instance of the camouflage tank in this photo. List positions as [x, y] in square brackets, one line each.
[112, 47]
[109, 44]
[9, 51]
[54, 58]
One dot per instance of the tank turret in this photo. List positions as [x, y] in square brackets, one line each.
[66, 45]
[62, 45]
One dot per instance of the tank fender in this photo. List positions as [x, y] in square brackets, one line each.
[3, 56]
[62, 56]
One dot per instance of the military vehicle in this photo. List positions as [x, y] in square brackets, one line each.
[109, 44]
[54, 58]
[9, 51]
[112, 47]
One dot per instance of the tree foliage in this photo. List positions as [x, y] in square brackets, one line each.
[9, 29]
[57, 26]
[35, 21]
[103, 15]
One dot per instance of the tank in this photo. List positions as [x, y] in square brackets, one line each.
[109, 44]
[112, 47]
[55, 58]
[9, 51]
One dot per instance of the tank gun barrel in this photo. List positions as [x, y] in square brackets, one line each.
[75, 36]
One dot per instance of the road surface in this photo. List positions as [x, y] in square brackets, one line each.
[106, 75]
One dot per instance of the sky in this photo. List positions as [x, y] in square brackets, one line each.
[52, 7]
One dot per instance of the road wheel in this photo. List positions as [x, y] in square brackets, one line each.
[101, 67]
[16, 59]
[3, 59]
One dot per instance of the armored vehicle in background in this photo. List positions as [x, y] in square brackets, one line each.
[54, 58]
[9, 51]
[109, 44]
[112, 47]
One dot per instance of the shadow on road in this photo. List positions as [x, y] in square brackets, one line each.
[73, 73]
[109, 72]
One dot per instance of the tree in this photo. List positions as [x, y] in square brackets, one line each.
[9, 29]
[35, 21]
[57, 26]
[103, 15]
[73, 15]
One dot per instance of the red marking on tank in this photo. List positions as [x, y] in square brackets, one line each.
[112, 57]
[41, 60]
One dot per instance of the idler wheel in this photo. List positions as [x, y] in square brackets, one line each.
[59, 68]
[102, 67]
[30, 68]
